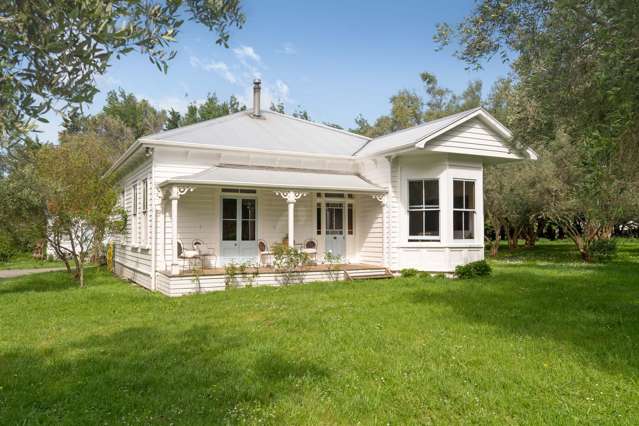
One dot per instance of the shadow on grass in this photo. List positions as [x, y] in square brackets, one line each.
[140, 375]
[39, 282]
[593, 309]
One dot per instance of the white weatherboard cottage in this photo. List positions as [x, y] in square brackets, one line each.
[410, 199]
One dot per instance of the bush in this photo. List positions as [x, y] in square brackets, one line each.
[603, 250]
[409, 272]
[7, 250]
[481, 268]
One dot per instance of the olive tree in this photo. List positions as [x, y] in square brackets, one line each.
[51, 51]
[80, 202]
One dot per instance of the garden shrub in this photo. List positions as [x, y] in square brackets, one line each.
[481, 268]
[289, 262]
[7, 250]
[603, 250]
[409, 272]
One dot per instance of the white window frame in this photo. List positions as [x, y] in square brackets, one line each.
[145, 208]
[423, 208]
[135, 237]
[467, 210]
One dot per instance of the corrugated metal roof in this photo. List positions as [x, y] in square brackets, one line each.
[265, 177]
[271, 132]
[409, 137]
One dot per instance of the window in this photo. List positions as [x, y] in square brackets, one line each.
[239, 191]
[463, 209]
[135, 199]
[145, 195]
[333, 195]
[248, 219]
[134, 212]
[350, 219]
[229, 219]
[318, 219]
[423, 210]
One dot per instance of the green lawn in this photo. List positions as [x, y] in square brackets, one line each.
[545, 340]
[26, 261]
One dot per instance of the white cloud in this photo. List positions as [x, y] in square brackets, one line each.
[219, 67]
[247, 52]
[106, 82]
[222, 69]
[288, 48]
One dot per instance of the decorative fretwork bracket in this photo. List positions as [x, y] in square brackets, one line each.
[381, 198]
[291, 196]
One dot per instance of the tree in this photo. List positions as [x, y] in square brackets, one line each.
[22, 221]
[51, 51]
[137, 115]
[572, 63]
[301, 113]
[277, 107]
[409, 109]
[173, 120]
[209, 109]
[80, 202]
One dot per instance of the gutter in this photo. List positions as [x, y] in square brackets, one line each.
[272, 186]
[123, 158]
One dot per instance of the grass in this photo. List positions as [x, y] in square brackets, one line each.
[26, 261]
[546, 339]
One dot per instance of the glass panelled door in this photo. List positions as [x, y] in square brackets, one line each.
[335, 238]
[239, 229]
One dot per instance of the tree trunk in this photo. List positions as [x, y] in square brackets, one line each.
[494, 245]
[81, 274]
[513, 237]
[531, 237]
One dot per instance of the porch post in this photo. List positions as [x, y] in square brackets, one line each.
[291, 198]
[175, 196]
[176, 192]
[382, 198]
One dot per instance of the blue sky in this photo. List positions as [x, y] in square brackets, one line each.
[336, 59]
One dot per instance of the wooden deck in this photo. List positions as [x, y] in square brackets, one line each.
[272, 270]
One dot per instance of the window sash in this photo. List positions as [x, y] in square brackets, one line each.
[135, 199]
[464, 209]
[145, 193]
[423, 199]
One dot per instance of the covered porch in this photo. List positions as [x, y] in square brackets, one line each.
[240, 213]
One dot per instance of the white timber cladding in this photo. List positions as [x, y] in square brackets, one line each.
[453, 148]
[132, 255]
[471, 138]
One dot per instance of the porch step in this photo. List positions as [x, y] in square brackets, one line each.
[368, 274]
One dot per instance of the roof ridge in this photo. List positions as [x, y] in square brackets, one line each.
[322, 125]
[427, 123]
[192, 126]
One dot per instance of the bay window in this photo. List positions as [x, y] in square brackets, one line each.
[463, 209]
[423, 209]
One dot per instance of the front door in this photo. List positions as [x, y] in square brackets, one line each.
[335, 238]
[239, 229]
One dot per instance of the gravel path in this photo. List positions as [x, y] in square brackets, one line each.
[12, 273]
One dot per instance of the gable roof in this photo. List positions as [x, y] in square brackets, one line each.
[418, 136]
[270, 132]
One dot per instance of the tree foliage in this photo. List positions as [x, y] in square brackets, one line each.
[52, 51]
[410, 109]
[80, 202]
[136, 114]
[211, 108]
